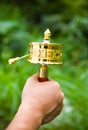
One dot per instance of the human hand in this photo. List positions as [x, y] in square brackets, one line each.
[41, 102]
[44, 97]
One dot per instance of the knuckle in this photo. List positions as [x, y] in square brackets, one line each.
[56, 86]
[62, 95]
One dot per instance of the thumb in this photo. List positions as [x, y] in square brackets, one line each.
[34, 78]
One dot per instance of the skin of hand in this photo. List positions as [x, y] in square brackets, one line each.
[40, 100]
[47, 96]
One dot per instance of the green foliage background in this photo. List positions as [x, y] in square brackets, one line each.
[22, 22]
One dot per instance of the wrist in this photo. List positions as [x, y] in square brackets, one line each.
[30, 116]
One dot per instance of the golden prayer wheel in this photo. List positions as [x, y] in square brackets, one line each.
[43, 53]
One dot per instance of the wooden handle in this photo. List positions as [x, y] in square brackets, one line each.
[42, 79]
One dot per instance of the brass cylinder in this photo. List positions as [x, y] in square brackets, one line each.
[43, 73]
